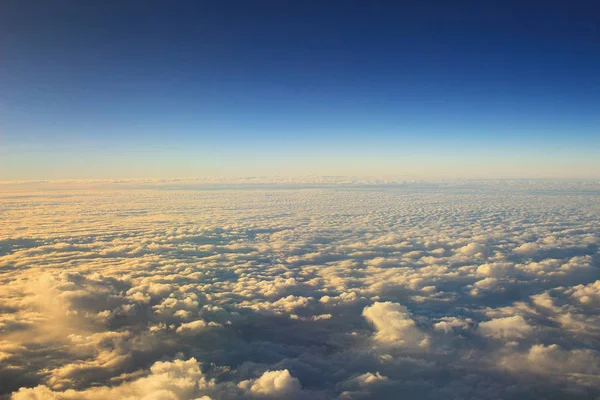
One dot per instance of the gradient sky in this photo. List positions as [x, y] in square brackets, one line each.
[98, 89]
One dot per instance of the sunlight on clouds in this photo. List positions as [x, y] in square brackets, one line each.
[316, 290]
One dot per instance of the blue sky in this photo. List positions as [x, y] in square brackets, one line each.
[427, 89]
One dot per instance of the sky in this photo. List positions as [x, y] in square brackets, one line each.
[427, 89]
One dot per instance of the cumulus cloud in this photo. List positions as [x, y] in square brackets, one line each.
[394, 325]
[194, 327]
[370, 379]
[586, 294]
[336, 288]
[167, 380]
[449, 324]
[527, 249]
[580, 368]
[506, 328]
[273, 384]
[472, 249]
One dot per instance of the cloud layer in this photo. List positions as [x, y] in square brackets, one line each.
[465, 290]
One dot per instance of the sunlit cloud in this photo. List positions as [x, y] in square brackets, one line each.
[337, 288]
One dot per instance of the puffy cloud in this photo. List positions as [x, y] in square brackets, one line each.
[449, 324]
[370, 378]
[579, 367]
[487, 283]
[527, 249]
[472, 249]
[586, 294]
[273, 384]
[195, 327]
[394, 325]
[362, 290]
[495, 270]
[176, 380]
[514, 327]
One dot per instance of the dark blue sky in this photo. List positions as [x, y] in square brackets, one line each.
[143, 88]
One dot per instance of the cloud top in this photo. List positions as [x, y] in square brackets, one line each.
[336, 290]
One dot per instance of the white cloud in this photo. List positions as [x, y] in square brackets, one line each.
[355, 292]
[527, 249]
[514, 327]
[586, 294]
[273, 384]
[449, 324]
[370, 379]
[177, 380]
[472, 249]
[394, 325]
[579, 367]
[195, 327]
[495, 270]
